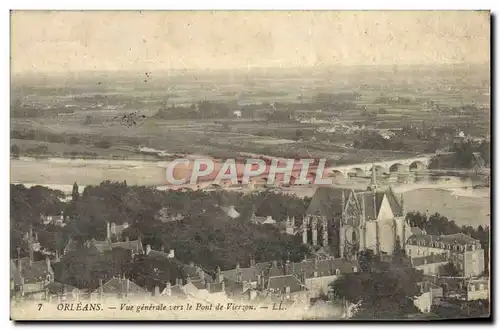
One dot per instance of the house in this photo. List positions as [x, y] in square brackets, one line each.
[119, 288]
[206, 290]
[197, 289]
[429, 292]
[135, 247]
[430, 264]
[62, 292]
[56, 220]
[267, 220]
[317, 274]
[32, 240]
[158, 269]
[286, 287]
[174, 291]
[295, 281]
[230, 211]
[165, 215]
[250, 276]
[114, 231]
[478, 289]
[463, 251]
[30, 277]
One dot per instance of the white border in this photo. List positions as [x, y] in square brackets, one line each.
[180, 5]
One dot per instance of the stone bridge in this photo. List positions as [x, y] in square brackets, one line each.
[405, 165]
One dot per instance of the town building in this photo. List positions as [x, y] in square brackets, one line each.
[166, 215]
[430, 264]
[262, 220]
[292, 281]
[429, 292]
[230, 211]
[134, 247]
[119, 287]
[56, 220]
[463, 251]
[29, 277]
[478, 289]
[317, 274]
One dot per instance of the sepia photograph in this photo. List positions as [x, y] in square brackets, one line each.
[250, 165]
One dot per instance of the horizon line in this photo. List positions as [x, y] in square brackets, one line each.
[249, 68]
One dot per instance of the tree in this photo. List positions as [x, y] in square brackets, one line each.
[399, 254]
[14, 151]
[299, 134]
[73, 140]
[381, 294]
[464, 156]
[416, 219]
[449, 270]
[485, 151]
[366, 259]
[75, 194]
[104, 144]
[88, 120]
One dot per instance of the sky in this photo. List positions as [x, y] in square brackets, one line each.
[76, 41]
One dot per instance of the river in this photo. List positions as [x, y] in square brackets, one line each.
[452, 197]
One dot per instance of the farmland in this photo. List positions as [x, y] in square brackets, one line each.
[76, 114]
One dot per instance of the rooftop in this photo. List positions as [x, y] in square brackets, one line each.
[327, 201]
[120, 286]
[430, 259]
[448, 240]
[36, 272]
[281, 282]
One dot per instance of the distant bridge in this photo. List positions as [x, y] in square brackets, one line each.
[405, 165]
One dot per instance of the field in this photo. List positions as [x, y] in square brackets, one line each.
[59, 106]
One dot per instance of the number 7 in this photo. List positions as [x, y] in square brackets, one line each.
[40, 306]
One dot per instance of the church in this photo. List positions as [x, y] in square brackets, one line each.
[348, 221]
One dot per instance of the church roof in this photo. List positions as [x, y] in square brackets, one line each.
[327, 201]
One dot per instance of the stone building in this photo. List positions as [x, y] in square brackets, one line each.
[347, 221]
[463, 251]
[478, 289]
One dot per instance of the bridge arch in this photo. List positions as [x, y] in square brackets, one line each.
[336, 174]
[398, 168]
[378, 169]
[417, 166]
[355, 172]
